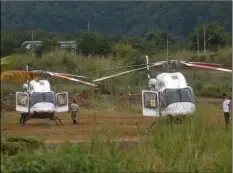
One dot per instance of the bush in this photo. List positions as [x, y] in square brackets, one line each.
[14, 145]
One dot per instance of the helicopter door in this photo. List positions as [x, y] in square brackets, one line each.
[22, 102]
[62, 102]
[150, 103]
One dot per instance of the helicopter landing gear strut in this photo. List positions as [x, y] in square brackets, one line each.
[25, 117]
[147, 130]
[55, 119]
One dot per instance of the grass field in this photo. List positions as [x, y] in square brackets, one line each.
[199, 144]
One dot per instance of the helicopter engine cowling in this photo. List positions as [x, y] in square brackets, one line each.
[152, 83]
[25, 86]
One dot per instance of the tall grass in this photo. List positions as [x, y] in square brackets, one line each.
[199, 144]
[205, 83]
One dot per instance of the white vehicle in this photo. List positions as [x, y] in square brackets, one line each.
[168, 93]
[39, 101]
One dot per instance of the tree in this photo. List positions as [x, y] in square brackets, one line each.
[159, 39]
[215, 37]
[93, 43]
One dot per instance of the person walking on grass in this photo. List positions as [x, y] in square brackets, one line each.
[226, 108]
[74, 109]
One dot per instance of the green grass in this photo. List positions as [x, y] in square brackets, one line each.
[199, 144]
[205, 83]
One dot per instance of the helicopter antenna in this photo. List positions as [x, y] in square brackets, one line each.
[27, 71]
[147, 63]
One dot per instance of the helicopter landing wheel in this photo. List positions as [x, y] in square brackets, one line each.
[147, 130]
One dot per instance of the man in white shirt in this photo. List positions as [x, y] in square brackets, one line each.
[226, 108]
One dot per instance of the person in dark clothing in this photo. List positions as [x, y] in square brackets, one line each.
[22, 119]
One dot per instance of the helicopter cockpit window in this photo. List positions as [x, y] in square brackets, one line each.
[150, 100]
[162, 101]
[186, 95]
[172, 96]
[178, 95]
[38, 97]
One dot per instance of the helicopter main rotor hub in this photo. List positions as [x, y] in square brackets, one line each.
[170, 65]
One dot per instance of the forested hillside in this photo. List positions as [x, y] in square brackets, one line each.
[121, 18]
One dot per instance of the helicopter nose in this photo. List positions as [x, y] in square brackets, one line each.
[44, 107]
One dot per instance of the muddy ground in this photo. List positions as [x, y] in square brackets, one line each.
[117, 125]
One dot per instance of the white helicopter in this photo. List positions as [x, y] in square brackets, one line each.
[168, 93]
[38, 101]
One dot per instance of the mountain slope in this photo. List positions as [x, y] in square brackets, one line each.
[125, 18]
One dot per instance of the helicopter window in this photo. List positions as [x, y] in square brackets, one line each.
[178, 95]
[172, 96]
[38, 97]
[186, 95]
[162, 102]
[150, 100]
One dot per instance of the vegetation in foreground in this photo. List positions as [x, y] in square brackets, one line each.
[200, 144]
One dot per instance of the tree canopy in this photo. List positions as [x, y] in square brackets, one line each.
[215, 37]
[117, 18]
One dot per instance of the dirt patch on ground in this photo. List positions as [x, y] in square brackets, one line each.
[116, 125]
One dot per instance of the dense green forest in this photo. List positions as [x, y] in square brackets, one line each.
[95, 52]
[117, 38]
[92, 43]
[118, 18]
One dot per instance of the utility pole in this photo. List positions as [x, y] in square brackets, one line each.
[27, 71]
[198, 44]
[167, 46]
[88, 26]
[204, 41]
[32, 41]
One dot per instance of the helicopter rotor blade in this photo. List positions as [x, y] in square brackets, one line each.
[63, 74]
[206, 67]
[72, 75]
[117, 68]
[70, 78]
[129, 71]
[60, 75]
[205, 63]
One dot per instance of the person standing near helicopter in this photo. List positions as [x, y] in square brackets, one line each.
[226, 108]
[23, 114]
[74, 109]
[25, 87]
